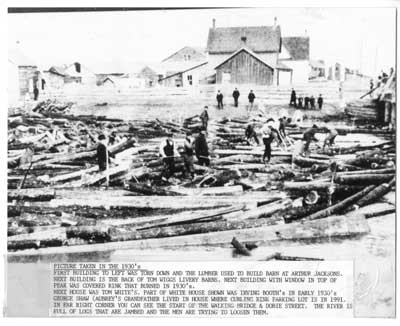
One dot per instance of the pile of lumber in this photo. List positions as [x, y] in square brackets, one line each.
[57, 197]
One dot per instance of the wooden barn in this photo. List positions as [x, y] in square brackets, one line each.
[244, 67]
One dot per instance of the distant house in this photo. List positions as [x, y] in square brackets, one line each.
[105, 77]
[58, 76]
[295, 54]
[23, 76]
[187, 75]
[237, 52]
[150, 76]
[336, 72]
[318, 69]
[184, 68]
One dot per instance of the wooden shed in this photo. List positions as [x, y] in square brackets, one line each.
[244, 67]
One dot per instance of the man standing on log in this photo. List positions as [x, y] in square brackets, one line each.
[293, 98]
[168, 152]
[201, 149]
[251, 98]
[268, 137]
[188, 154]
[251, 133]
[320, 101]
[220, 98]
[204, 118]
[236, 95]
[103, 155]
[309, 136]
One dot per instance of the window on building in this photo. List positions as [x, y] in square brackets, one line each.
[190, 79]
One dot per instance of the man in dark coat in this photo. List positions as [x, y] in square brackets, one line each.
[306, 102]
[188, 152]
[312, 102]
[103, 155]
[309, 136]
[251, 98]
[168, 151]
[236, 95]
[36, 93]
[220, 98]
[251, 133]
[204, 117]
[293, 98]
[300, 102]
[201, 149]
[320, 101]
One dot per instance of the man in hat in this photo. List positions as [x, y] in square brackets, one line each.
[293, 98]
[235, 96]
[220, 98]
[320, 101]
[204, 117]
[103, 155]
[201, 149]
[309, 136]
[251, 133]
[188, 152]
[268, 137]
[331, 135]
[251, 98]
[168, 152]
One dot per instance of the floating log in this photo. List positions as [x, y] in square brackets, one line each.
[339, 206]
[150, 190]
[97, 233]
[331, 227]
[376, 193]
[241, 249]
[154, 202]
[306, 162]
[36, 194]
[363, 179]
[191, 228]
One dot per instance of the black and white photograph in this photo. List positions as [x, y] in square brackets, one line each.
[208, 139]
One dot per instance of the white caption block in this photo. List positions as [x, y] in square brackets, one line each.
[203, 289]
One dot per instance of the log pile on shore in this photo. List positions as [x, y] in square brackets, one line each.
[57, 196]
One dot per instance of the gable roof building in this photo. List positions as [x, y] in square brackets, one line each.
[259, 39]
[298, 47]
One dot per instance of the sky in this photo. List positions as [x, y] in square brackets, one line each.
[360, 38]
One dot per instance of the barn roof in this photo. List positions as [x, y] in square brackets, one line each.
[246, 50]
[298, 47]
[199, 50]
[186, 69]
[258, 39]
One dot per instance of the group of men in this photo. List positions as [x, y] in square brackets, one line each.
[271, 131]
[305, 102]
[192, 146]
[236, 94]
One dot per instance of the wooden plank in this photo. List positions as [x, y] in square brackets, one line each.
[331, 227]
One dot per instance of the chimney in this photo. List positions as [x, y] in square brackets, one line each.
[275, 22]
[244, 40]
[213, 23]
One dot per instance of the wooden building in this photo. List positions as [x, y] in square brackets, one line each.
[184, 76]
[295, 54]
[247, 54]
[187, 53]
[244, 67]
